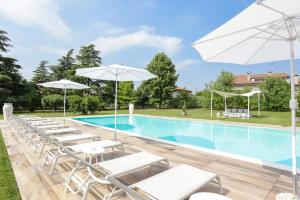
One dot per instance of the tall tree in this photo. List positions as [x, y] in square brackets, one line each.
[126, 93]
[164, 85]
[10, 79]
[65, 64]
[89, 57]
[41, 74]
[4, 41]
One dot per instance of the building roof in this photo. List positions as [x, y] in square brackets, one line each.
[256, 78]
[183, 89]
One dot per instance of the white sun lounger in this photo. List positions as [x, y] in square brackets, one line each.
[42, 137]
[61, 139]
[112, 168]
[176, 183]
[61, 131]
[75, 137]
[78, 149]
[44, 123]
[51, 126]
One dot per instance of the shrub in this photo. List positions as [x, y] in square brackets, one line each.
[53, 101]
[90, 104]
[75, 103]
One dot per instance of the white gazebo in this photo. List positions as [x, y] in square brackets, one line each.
[228, 94]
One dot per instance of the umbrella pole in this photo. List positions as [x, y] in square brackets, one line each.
[225, 104]
[65, 93]
[116, 105]
[293, 106]
[211, 104]
[248, 107]
[258, 104]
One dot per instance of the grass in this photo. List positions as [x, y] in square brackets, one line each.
[273, 118]
[8, 186]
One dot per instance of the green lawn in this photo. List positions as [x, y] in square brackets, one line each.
[274, 118]
[8, 186]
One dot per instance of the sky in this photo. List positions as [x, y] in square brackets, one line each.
[128, 32]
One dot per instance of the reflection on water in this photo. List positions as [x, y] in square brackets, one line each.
[271, 145]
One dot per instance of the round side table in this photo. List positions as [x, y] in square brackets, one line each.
[93, 152]
[208, 196]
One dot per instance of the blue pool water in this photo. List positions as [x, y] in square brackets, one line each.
[266, 144]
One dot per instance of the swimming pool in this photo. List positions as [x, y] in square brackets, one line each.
[265, 144]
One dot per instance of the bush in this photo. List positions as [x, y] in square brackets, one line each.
[276, 94]
[53, 101]
[191, 101]
[75, 103]
[90, 104]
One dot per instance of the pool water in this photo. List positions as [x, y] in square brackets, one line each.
[266, 144]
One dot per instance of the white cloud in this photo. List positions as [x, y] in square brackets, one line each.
[42, 13]
[185, 63]
[106, 28]
[145, 37]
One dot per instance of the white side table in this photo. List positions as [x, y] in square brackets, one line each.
[208, 196]
[93, 152]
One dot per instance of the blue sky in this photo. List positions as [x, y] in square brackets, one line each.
[128, 32]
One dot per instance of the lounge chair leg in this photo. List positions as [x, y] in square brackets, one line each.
[86, 191]
[42, 149]
[220, 184]
[53, 166]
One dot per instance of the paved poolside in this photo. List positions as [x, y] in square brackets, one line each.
[241, 180]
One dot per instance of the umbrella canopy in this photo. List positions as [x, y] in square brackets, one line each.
[258, 34]
[115, 73]
[64, 84]
[266, 31]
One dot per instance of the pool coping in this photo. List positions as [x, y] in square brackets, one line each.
[206, 150]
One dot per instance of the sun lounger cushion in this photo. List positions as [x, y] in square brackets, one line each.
[176, 183]
[75, 137]
[130, 163]
[102, 143]
[60, 131]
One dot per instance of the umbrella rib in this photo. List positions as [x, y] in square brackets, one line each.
[273, 9]
[236, 44]
[265, 38]
[232, 33]
[272, 34]
[264, 43]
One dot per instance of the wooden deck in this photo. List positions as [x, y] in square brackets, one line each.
[241, 180]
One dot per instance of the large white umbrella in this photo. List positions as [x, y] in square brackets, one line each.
[64, 84]
[266, 31]
[115, 73]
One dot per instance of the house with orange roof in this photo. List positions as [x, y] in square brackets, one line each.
[254, 80]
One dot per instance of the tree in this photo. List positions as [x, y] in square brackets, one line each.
[4, 41]
[65, 63]
[41, 73]
[276, 94]
[126, 93]
[223, 83]
[10, 80]
[164, 85]
[143, 95]
[89, 57]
